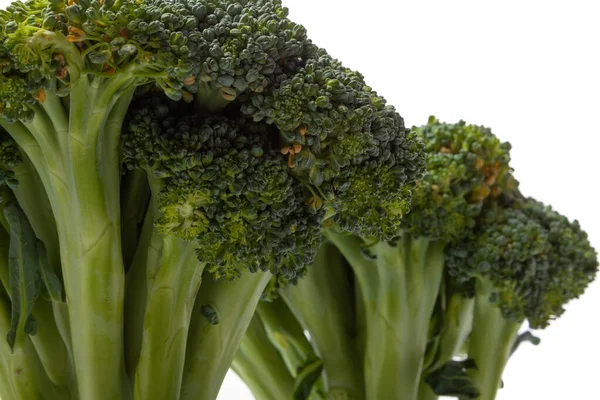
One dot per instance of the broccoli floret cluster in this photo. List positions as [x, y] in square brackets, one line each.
[181, 45]
[222, 185]
[342, 139]
[466, 164]
[535, 258]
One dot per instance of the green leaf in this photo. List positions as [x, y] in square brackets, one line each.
[452, 379]
[24, 272]
[306, 379]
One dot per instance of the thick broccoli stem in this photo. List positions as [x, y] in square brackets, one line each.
[285, 333]
[400, 288]
[161, 288]
[410, 276]
[458, 319]
[81, 177]
[491, 341]
[173, 283]
[260, 365]
[323, 302]
[212, 345]
[136, 289]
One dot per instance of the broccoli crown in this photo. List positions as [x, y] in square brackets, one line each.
[466, 164]
[535, 259]
[342, 139]
[223, 185]
[234, 46]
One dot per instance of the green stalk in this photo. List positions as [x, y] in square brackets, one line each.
[260, 365]
[490, 343]
[212, 345]
[399, 289]
[172, 288]
[89, 229]
[458, 320]
[323, 302]
[173, 275]
[134, 199]
[136, 289]
[410, 275]
[425, 392]
[285, 333]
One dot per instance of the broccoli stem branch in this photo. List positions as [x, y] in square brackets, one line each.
[173, 275]
[490, 344]
[285, 333]
[211, 348]
[136, 290]
[322, 301]
[134, 201]
[458, 320]
[410, 275]
[261, 366]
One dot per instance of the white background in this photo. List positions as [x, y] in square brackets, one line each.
[528, 69]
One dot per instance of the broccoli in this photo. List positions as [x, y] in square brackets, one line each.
[436, 310]
[162, 163]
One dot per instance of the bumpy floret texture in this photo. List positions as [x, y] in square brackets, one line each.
[334, 126]
[221, 183]
[466, 164]
[536, 259]
[231, 46]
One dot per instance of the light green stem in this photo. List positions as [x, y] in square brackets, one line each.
[323, 302]
[135, 195]
[211, 348]
[261, 366]
[172, 287]
[490, 343]
[425, 392]
[285, 333]
[410, 275]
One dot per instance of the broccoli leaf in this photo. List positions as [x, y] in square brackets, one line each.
[452, 380]
[24, 271]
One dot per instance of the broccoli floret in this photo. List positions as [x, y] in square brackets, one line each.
[400, 278]
[338, 134]
[222, 185]
[524, 262]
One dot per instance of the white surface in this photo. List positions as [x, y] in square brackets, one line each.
[530, 70]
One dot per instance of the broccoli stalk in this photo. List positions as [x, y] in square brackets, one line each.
[490, 344]
[399, 296]
[326, 311]
[222, 313]
[83, 191]
[286, 334]
[261, 366]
